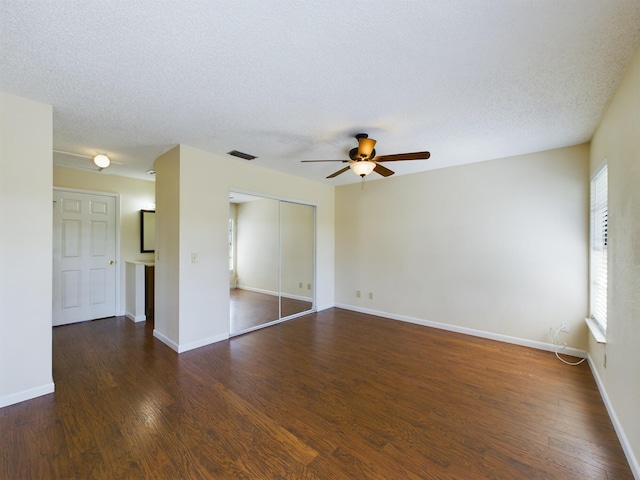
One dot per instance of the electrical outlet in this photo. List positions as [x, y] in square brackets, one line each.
[604, 362]
[564, 327]
[300, 285]
[308, 286]
[358, 293]
[194, 258]
[370, 295]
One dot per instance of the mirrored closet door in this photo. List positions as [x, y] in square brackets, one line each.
[271, 260]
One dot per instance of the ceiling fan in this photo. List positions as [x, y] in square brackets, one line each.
[363, 159]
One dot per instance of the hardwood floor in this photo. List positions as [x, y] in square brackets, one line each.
[250, 309]
[327, 396]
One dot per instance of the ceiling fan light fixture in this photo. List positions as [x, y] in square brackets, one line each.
[101, 161]
[363, 167]
[365, 147]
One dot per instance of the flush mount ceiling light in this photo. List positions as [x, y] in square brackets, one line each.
[101, 161]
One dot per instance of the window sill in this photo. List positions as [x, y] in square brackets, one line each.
[596, 330]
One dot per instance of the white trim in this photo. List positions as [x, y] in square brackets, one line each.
[257, 290]
[166, 340]
[273, 294]
[596, 330]
[617, 426]
[325, 307]
[27, 394]
[297, 297]
[574, 352]
[598, 169]
[185, 347]
[269, 196]
[181, 348]
[135, 318]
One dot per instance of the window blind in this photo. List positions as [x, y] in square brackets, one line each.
[599, 240]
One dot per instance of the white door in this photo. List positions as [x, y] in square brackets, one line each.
[84, 254]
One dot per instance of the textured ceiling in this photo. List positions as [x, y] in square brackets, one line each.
[468, 80]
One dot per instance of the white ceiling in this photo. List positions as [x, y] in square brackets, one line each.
[286, 80]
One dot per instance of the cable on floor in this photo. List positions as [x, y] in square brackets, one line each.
[555, 339]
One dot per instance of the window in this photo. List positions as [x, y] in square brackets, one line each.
[598, 247]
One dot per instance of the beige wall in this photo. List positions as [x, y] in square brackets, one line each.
[498, 246]
[167, 269]
[26, 220]
[296, 250]
[257, 241]
[134, 195]
[617, 140]
[201, 199]
[275, 239]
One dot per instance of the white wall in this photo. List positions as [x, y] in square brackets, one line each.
[617, 140]
[497, 246]
[192, 199]
[26, 220]
[134, 196]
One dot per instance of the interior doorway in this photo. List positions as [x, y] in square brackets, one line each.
[85, 269]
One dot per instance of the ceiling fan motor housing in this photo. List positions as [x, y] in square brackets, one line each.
[356, 156]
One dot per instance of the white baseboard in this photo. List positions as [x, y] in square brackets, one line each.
[135, 318]
[27, 394]
[185, 347]
[574, 352]
[302, 298]
[624, 441]
[257, 290]
[319, 308]
[275, 294]
[166, 340]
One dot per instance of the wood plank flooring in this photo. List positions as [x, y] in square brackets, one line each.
[331, 395]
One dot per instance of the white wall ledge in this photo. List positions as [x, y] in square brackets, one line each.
[596, 330]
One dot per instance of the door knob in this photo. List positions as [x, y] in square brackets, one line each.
[111, 262]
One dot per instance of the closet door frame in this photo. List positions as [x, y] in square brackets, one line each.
[313, 246]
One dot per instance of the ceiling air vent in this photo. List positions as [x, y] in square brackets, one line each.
[238, 154]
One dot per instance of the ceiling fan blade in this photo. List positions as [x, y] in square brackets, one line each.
[309, 161]
[384, 171]
[403, 156]
[339, 172]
